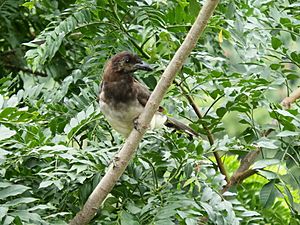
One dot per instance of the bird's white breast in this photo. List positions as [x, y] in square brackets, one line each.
[121, 117]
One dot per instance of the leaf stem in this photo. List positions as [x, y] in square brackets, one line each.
[208, 132]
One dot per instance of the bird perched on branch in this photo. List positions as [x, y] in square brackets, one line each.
[122, 98]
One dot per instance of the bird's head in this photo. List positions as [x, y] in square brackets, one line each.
[126, 62]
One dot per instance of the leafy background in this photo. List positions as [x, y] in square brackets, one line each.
[55, 145]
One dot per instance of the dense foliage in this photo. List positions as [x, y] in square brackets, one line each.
[55, 145]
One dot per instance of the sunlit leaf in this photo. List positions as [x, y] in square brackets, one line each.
[266, 143]
[6, 132]
[264, 163]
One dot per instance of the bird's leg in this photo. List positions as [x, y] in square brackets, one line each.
[137, 125]
[115, 161]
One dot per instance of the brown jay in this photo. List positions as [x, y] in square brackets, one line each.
[122, 98]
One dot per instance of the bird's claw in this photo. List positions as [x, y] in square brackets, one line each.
[136, 124]
[115, 160]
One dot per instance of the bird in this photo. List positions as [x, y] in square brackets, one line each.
[122, 98]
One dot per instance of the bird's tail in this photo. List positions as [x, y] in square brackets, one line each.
[171, 122]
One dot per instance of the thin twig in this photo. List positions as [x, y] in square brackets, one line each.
[130, 38]
[214, 102]
[208, 132]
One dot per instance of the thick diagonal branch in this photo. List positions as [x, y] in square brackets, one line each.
[122, 159]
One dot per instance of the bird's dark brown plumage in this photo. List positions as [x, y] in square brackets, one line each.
[122, 98]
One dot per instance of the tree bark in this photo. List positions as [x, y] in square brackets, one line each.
[122, 159]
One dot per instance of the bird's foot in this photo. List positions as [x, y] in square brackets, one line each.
[136, 124]
[114, 161]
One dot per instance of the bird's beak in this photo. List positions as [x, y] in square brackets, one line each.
[142, 66]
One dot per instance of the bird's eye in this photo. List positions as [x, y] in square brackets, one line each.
[127, 60]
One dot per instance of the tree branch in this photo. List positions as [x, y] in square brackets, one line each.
[208, 132]
[243, 171]
[239, 175]
[122, 159]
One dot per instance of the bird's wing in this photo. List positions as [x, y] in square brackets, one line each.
[143, 95]
[143, 92]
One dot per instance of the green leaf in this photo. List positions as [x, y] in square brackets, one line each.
[26, 216]
[8, 220]
[207, 194]
[276, 43]
[168, 211]
[295, 57]
[6, 132]
[189, 181]
[12, 101]
[3, 212]
[13, 190]
[289, 195]
[264, 163]
[221, 111]
[275, 66]
[267, 195]
[286, 113]
[128, 219]
[58, 184]
[209, 210]
[266, 143]
[287, 133]
[46, 183]
[133, 209]
[268, 174]
[286, 22]
[28, 5]
[20, 201]
[250, 214]
[41, 207]
[5, 184]
[53, 39]
[166, 221]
